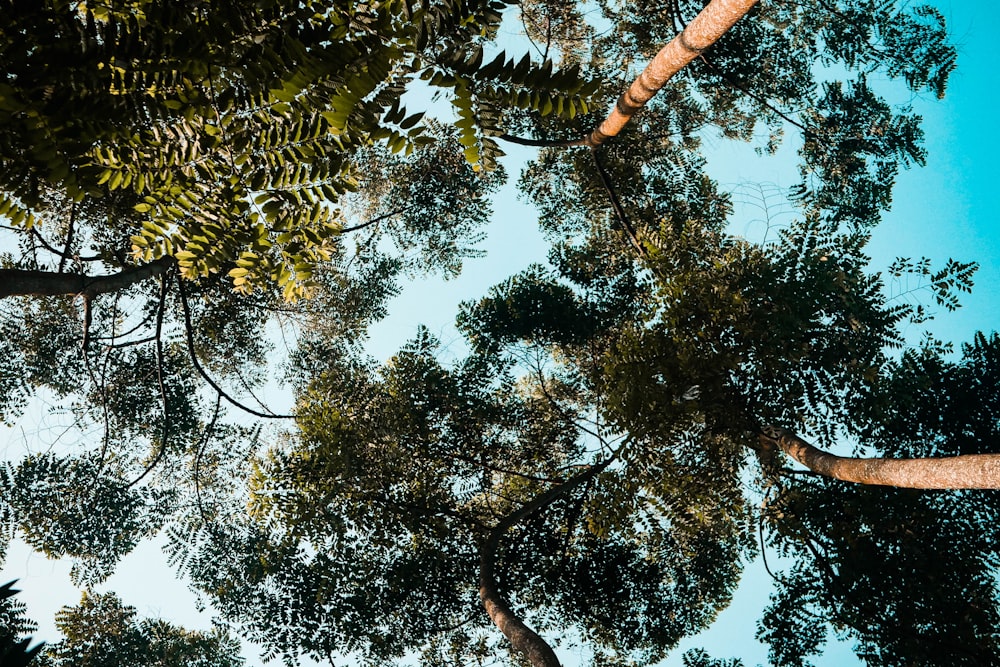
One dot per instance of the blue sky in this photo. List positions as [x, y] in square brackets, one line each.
[947, 209]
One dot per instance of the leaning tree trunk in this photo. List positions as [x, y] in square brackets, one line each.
[525, 641]
[704, 31]
[969, 471]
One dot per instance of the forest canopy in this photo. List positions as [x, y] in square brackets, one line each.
[198, 199]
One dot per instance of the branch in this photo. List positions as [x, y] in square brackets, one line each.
[162, 385]
[206, 436]
[763, 547]
[619, 209]
[492, 468]
[20, 282]
[968, 471]
[754, 96]
[64, 254]
[189, 331]
[541, 143]
[377, 219]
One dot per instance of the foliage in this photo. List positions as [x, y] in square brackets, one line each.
[14, 649]
[224, 136]
[862, 556]
[103, 632]
[71, 507]
[592, 459]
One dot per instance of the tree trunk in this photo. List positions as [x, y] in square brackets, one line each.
[19, 282]
[525, 640]
[970, 471]
[706, 29]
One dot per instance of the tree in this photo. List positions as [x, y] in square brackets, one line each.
[102, 632]
[591, 470]
[418, 494]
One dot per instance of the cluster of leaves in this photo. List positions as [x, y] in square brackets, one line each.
[244, 117]
[71, 507]
[103, 632]
[861, 568]
[14, 625]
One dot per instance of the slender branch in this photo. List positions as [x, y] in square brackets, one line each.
[375, 220]
[760, 100]
[64, 254]
[616, 204]
[452, 628]
[763, 547]
[162, 384]
[130, 343]
[206, 436]
[968, 471]
[493, 468]
[189, 331]
[562, 413]
[541, 143]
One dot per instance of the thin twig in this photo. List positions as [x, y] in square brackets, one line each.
[189, 330]
[163, 387]
[375, 220]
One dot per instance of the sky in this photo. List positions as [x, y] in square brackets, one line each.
[947, 209]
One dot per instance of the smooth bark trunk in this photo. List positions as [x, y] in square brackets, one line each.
[704, 31]
[969, 471]
[20, 282]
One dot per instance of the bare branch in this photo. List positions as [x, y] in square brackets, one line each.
[189, 331]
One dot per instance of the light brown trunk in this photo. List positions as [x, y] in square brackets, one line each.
[18, 282]
[970, 471]
[706, 29]
[526, 641]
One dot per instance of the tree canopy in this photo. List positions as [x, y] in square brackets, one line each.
[607, 453]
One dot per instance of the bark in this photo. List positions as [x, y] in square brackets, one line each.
[20, 282]
[706, 29]
[526, 641]
[969, 471]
